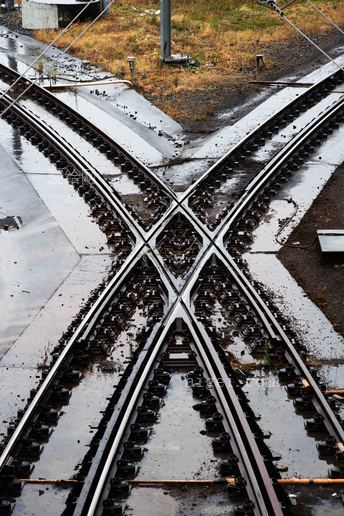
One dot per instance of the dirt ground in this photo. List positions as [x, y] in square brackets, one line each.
[198, 111]
[323, 283]
[196, 96]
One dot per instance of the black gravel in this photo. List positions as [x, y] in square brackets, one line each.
[12, 20]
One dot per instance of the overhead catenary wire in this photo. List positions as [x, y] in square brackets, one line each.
[325, 16]
[283, 7]
[310, 40]
[54, 61]
[45, 50]
[106, 8]
[295, 27]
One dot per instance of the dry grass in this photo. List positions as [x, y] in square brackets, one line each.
[222, 35]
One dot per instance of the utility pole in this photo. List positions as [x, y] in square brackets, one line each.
[165, 29]
[165, 38]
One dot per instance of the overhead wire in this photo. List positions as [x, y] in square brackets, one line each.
[270, 4]
[292, 24]
[54, 61]
[45, 50]
[325, 16]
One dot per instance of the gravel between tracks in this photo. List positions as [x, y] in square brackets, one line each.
[323, 283]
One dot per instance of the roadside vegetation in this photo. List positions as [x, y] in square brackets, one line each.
[223, 36]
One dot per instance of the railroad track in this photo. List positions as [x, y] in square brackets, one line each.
[152, 204]
[177, 282]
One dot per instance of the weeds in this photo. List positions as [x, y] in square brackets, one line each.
[223, 35]
[42, 364]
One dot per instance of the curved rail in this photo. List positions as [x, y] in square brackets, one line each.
[214, 245]
[275, 331]
[248, 138]
[103, 135]
[251, 464]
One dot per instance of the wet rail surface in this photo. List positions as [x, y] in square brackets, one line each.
[180, 263]
[154, 199]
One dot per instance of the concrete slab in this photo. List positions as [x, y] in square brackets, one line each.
[42, 335]
[331, 241]
[310, 323]
[34, 259]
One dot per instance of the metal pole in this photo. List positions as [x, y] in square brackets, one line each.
[105, 6]
[165, 29]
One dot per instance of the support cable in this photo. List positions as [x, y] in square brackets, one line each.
[273, 6]
[33, 82]
[311, 41]
[45, 50]
[325, 16]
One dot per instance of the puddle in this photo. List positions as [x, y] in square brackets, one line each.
[41, 500]
[70, 439]
[288, 436]
[316, 501]
[198, 501]
[28, 157]
[179, 449]
[14, 391]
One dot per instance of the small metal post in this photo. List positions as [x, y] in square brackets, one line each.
[165, 29]
[132, 65]
[260, 60]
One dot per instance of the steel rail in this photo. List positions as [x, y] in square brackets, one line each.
[39, 396]
[113, 143]
[216, 240]
[245, 286]
[243, 442]
[263, 311]
[245, 140]
[98, 307]
[75, 159]
[167, 190]
[108, 194]
[167, 216]
[144, 168]
[81, 164]
[202, 229]
[270, 169]
[274, 329]
[251, 463]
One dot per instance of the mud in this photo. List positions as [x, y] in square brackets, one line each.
[292, 59]
[322, 282]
